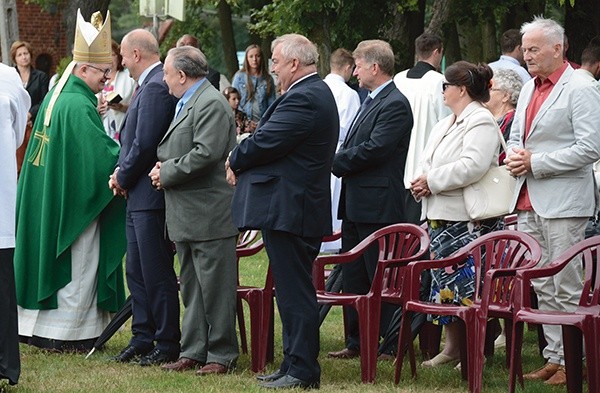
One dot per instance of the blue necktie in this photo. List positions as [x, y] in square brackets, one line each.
[180, 105]
[362, 108]
[365, 104]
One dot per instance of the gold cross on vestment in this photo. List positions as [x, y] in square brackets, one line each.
[38, 156]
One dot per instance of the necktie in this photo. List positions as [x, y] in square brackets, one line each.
[365, 104]
[180, 105]
[135, 91]
[362, 108]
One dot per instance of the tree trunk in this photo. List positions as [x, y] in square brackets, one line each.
[321, 37]
[87, 7]
[521, 13]
[229, 48]
[403, 31]
[439, 16]
[488, 40]
[470, 40]
[581, 25]
[452, 52]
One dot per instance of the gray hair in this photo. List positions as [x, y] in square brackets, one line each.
[553, 31]
[508, 81]
[377, 52]
[190, 60]
[296, 46]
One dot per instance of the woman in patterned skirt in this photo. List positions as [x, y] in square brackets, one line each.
[461, 149]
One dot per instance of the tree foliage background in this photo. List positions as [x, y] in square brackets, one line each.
[470, 29]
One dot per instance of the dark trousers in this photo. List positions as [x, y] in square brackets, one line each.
[152, 282]
[291, 258]
[357, 277]
[412, 210]
[10, 363]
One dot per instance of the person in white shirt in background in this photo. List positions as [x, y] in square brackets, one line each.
[121, 83]
[14, 106]
[590, 68]
[348, 103]
[512, 56]
[422, 85]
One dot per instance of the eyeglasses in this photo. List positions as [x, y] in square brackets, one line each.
[446, 84]
[106, 72]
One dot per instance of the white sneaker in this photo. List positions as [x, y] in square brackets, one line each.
[500, 341]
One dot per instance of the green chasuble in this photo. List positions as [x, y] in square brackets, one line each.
[62, 188]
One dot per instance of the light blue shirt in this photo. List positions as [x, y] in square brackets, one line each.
[187, 95]
[374, 93]
[510, 63]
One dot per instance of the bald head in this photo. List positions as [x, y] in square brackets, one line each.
[142, 40]
[139, 49]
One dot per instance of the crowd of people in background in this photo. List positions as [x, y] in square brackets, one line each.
[191, 160]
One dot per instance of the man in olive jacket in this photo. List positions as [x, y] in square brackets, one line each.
[191, 169]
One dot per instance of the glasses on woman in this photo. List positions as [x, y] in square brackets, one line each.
[106, 72]
[446, 84]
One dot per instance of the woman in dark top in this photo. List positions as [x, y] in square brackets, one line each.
[35, 82]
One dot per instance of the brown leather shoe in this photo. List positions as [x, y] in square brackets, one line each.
[386, 357]
[345, 353]
[543, 373]
[213, 368]
[559, 377]
[182, 364]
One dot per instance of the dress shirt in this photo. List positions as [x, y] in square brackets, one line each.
[186, 96]
[146, 72]
[510, 63]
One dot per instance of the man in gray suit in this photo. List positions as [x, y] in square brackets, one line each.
[191, 170]
[554, 142]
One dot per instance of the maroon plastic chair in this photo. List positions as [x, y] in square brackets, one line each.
[336, 235]
[260, 303]
[399, 244]
[511, 222]
[497, 256]
[244, 240]
[584, 322]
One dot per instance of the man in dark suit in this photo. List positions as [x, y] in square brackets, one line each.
[149, 267]
[191, 170]
[213, 76]
[371, 165]
[283, 188]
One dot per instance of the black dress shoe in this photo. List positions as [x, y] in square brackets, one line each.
[289, 382]
[158, 357]
[270, 377]
[128, 354]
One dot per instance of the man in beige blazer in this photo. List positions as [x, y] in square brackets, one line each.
[191, 170]
[554, 142]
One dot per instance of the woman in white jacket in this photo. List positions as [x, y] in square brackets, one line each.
[461, 149]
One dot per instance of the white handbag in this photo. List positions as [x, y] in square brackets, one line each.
[491, 195]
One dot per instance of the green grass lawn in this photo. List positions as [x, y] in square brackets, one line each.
[48, 372]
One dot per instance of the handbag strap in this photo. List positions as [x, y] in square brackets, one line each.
[502, 141]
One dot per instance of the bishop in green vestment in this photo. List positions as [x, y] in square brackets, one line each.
[70, 237]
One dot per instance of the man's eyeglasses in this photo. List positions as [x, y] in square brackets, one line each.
[446, 84]
[106, 72]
